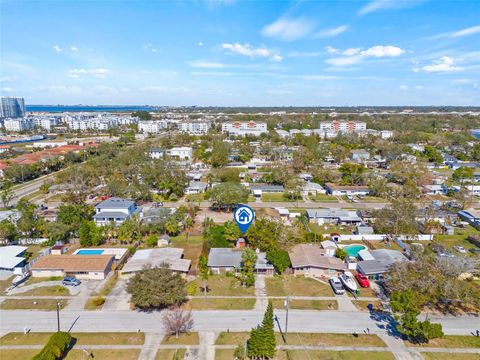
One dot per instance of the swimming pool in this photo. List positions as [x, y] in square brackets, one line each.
[89, 252]
[353, 250]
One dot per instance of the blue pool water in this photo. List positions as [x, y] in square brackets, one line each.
[89, 252]
[353, 250]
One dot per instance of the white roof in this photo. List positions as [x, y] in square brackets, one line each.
[9, 256]
[365, 255]
[156, 257]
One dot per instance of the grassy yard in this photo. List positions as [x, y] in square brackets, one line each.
[327, 339]
[100, 338]
[232, 338]
[363, 304]
[277, 197]
[195, 198]
[295, 285]
[220, 304]
[224, 354]
[192, 249]
[170, 354]
[18, 354]
[371, 199]
[110, 354]
[5, 284]
[306, 304]
[459, 239]
[221, 285]
[190, 338]
[94, 303]
[36, 280]
[34, 250]
[58, 290]
[333, 355]
[24, 304]
[322, 198]
[451, 341]
[449, 356]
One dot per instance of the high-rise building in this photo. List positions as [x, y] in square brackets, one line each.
[11, 107]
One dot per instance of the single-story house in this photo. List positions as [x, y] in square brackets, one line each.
[359, 155]
[339, 190]
[310, 259]
[93, 267]
[11, 257]
[259, 189]
[230, 260]
[335, 216]
[434, 189]
[311, 188]
[142, 259]
[376, 262]
[305, 176]
[196, 187]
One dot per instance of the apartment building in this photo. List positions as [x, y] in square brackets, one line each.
[18, 125]
[342, 126]
[152, 126]
[194, 128]
[181, 153]
[245, 128]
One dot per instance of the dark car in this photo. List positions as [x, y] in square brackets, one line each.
[71, 281]
[474, 250]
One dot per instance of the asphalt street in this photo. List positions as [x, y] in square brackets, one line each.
[299, 321]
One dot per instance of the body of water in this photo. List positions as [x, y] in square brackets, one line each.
[84, 108]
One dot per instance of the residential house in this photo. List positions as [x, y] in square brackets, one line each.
[92, 267]
[359, 156]
[311, 188]
[196, 187]
[11, 257]
[377, 262]
[114, 210]
[150, 258]
[333, 216]
[339, 190]
[230, 260]
[310, 259]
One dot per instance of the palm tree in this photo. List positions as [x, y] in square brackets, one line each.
[187, 224]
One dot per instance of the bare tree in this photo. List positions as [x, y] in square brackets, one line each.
[177, 321]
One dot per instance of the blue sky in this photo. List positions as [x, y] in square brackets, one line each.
[236, 53]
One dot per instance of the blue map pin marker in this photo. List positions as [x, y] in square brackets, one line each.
[243, 216]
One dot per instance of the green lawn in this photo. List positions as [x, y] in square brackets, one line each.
[170, 354]
[94, 303]
[192, 249]
[277, 197]
[94, 338]
[5, 284]
[28, 304]
[35, 280]
[449, 356]
[323, 198]
[333, 355]
[306, 304]
[221, 285]
[190, 338]
[57, 290]
[458, 239]
[195, 197]
[220, 304]
[452, 341]
[17, 354]
[110, 354]
[295, 285]
[328, 339]
[224, 354]
[232, 338]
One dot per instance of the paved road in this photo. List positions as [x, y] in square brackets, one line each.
[30, 187]
[299, 320]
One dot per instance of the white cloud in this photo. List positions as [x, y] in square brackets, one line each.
[328, 33]
[444, 64]
[73, 48]
[57, 48]
[376, 5]
[200, 43]
[150, 47]
[100, 73]
[288, 29]
[248, 50]
[206, 64]
[355, 55]
[466, 32]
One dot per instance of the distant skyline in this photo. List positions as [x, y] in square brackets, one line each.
[241, 53]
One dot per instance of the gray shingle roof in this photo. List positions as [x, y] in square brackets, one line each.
[114, 203]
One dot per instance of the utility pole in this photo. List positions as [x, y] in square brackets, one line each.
[287, 303]
[58, 316]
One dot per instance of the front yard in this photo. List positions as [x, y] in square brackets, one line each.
[31, 304]
[221, 285]
[306, 304]
[220, 304]
[296, 286]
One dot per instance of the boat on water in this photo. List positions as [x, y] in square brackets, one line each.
[348, 281]
[17, 280]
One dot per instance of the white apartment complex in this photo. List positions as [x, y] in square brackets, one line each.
[18, 124]
[342, 126]
[100, 122]
[152, 126]
[181, 153]
[245, 128]
[194, 128]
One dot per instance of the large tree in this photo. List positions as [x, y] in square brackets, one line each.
[157, 288]
[177, 321]
[264, 234]
[228, 195]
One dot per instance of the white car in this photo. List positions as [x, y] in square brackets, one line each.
[460, 249]
[336, 285]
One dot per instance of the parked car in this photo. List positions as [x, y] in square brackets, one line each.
[71, 281]
[474, 250]
[460, 249]
[362, 280]
[336, 285]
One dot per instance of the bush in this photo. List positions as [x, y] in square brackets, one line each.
[341, 253]
[55, 348]
[151, 241]
[98, 301]
[279, 259]
[192, 288]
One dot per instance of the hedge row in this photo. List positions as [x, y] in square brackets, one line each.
[55, 347]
